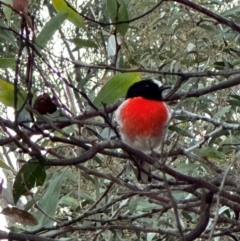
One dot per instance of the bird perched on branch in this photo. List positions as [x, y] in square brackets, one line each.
[143, 118]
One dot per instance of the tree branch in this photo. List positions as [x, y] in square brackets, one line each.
[209, 13]
[23, 237]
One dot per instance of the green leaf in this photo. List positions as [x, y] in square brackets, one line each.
[49, 29]
[231, 12]
[4, 165]
[139, 205]
[62, 6]
[211, 153]
[207, 27]
[7, 94]
[117, 11]
[7, 63]
[188, 216]
[179, 26]
[116, 88]
[7, 11]
[83, 43]
[5, 34]
[237, 97]
[69, 201]
[180, 131]
[222, 112]
[221, 65]
[49, 201]
[187, 168]
[215, 2]
[30, 174]
[234, 102]
[182, 118]
[150, 236]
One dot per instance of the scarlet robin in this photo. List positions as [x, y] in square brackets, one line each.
[143, 118]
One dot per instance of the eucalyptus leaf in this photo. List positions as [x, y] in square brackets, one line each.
[49, 200]
[6, 34]
[237, 97]
[6, 10]
[7, 63]
[116, 88]
[222, 112]
[4, 165]
[118, 12]
[180, 131]
[49, 29]
[7, 94]
[83, 43]
[231, 12]
[211, 153]
[234, 102]
[62, 6]
[30, 175]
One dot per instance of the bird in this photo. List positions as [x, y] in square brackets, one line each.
[143, 118]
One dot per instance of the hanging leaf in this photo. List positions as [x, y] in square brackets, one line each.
[49, 29]
[211, 153]
[7, 94]
[221, 65]
[62, 6]
[4, 165]
[237, 97]
[116, 88]
[188, 168]
[7, 98]
[180, 131]
[69, 201]
[7, 11]
[7, 63]
[118, 12]
[50, 200]
[29, 176]
[83, 43]
[234, 102]
[207, 27]
[222, 112]
[6, 34]
[232, 12]
[150, 236]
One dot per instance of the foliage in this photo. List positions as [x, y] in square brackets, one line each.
[69, 170]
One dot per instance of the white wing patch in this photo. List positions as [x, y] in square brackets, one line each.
[157, 83]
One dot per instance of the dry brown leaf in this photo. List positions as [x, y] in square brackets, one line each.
[21, 6]
[20, 216]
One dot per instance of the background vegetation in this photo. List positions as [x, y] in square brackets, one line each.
[65, 172]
